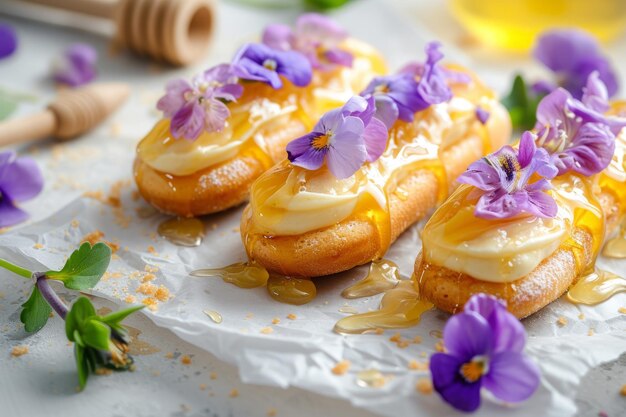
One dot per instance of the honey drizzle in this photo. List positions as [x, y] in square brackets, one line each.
[383, 275]
[371, 378]
[596, 287]
[182, 231]
[242, 274]
[214, 315]
[400, 307]
[289, 290]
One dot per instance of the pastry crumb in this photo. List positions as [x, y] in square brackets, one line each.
[267, 330]
[581, 316]
[185, 360]
[417, 340]
[561, 321]
[418, 366]
[148, 277]
[38, 246]
[234, 393]
[152, 251]
[591, 332]
[291, 316]
[130, 299]
[162, 293]
[275, 320]
[622, 310]
[18, 351]
[424, 386]
[151, 269]
[395, 338]
[213, 375]
[147, 289]
[623, 391]
[439, 346]
[271, 412]
[169, 355]
[103, 371]
[93, 237]
[202, 387]
[342, 367]
[379, 330]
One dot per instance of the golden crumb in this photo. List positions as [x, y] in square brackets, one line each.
[271, 412]
[213, 375]
[417, 339]
[152, 251]
[162, 293]
[249, 316]
[424, 386]
[151, 303]
[591, 332]
[395, 338]
[18, 351]
[74, 223]
[275, 320]
[581, 316]
[130, 299]
[623, 391]
[103, 371]
[342, 367]
[38, 246]
[156, 373]
[439, 346]
[403, 344]
[561, 321]
[234, 393]
[148, 277]
[423, 354]
[267, 330]
[418, 366]
[185, 360]
[622, 310]
[169, 355]
[151, 269]
[147, 288]
[114, 246]
[93, 237]
[202, 387]
[291, 316]
[379, 330]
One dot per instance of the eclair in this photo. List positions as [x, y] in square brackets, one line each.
[231, 123]
[369, 170]
[528, 222]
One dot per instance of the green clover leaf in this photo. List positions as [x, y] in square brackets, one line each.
[85, 267]
[35, 311]
[521, 105]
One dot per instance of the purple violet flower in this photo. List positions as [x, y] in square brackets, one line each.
[575, 132]
[484, 347]
[258, 62]
[482, 115]
[8, 40]
[573, 55]
[395, 96]
[77, 65]
[20, 180]
[503, 179]
[432, 86]
[315, 36]
[200, 106]
[345, 138]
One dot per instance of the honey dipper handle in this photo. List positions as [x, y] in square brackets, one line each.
[34, 126]
[99, 8]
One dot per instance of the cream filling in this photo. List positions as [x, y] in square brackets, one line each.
[311, 200]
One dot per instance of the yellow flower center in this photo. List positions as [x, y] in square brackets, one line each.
[472, 371]
[321, 141]
[270, 64]
[382, 89]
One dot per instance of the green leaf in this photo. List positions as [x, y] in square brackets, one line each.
[325, 4]
[96, 334]
[9, 102]
[35, 311]
[522, 105]
[116, 318]
[81, 310]
[81, 366]
[85, 267]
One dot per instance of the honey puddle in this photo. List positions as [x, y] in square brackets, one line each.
[182, 232]
[383, 275]
[213, 315]
[616, 247]
[596, 287]
[242, 274]
[371, 378]
[400, 307]
[290, 290]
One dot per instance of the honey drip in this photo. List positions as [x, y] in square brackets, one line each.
[596, 287]
[242, 274]
[400, 307]
[371, 378]
[383, 275]
[182, 231]
[616, 247]
[291, 290]
[214, 315]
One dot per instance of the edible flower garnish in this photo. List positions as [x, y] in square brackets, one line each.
[99, 341]
[344, 137]
[8, 40]
[482, 115]
[513, 181]
[20, 180]
[259, 62]
[200, 105]
[576, 133]
[484, 348]
[315, 36]
[573, 55]
[77, 65]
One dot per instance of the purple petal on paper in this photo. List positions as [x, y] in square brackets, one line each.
[451, 386]
[512, 377]
[8, 40]
[22, 180]
[467, 335]
[9, 214]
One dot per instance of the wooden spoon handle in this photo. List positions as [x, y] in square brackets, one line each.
[24, 129]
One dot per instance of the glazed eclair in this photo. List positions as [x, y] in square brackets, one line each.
[231, 123]
[527, 223]
[370, 170]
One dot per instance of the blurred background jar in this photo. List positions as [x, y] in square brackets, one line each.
[514, 24]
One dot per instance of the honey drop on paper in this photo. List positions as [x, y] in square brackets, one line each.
[242, 274]
[182, 231]
[596, 287]
[382, 276]
[290, 290]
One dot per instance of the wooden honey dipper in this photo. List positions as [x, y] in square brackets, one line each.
[174, 31]
[73, 113]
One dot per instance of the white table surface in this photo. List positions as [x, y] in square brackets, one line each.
[43, 382]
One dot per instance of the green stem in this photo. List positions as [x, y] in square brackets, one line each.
[16, 269]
